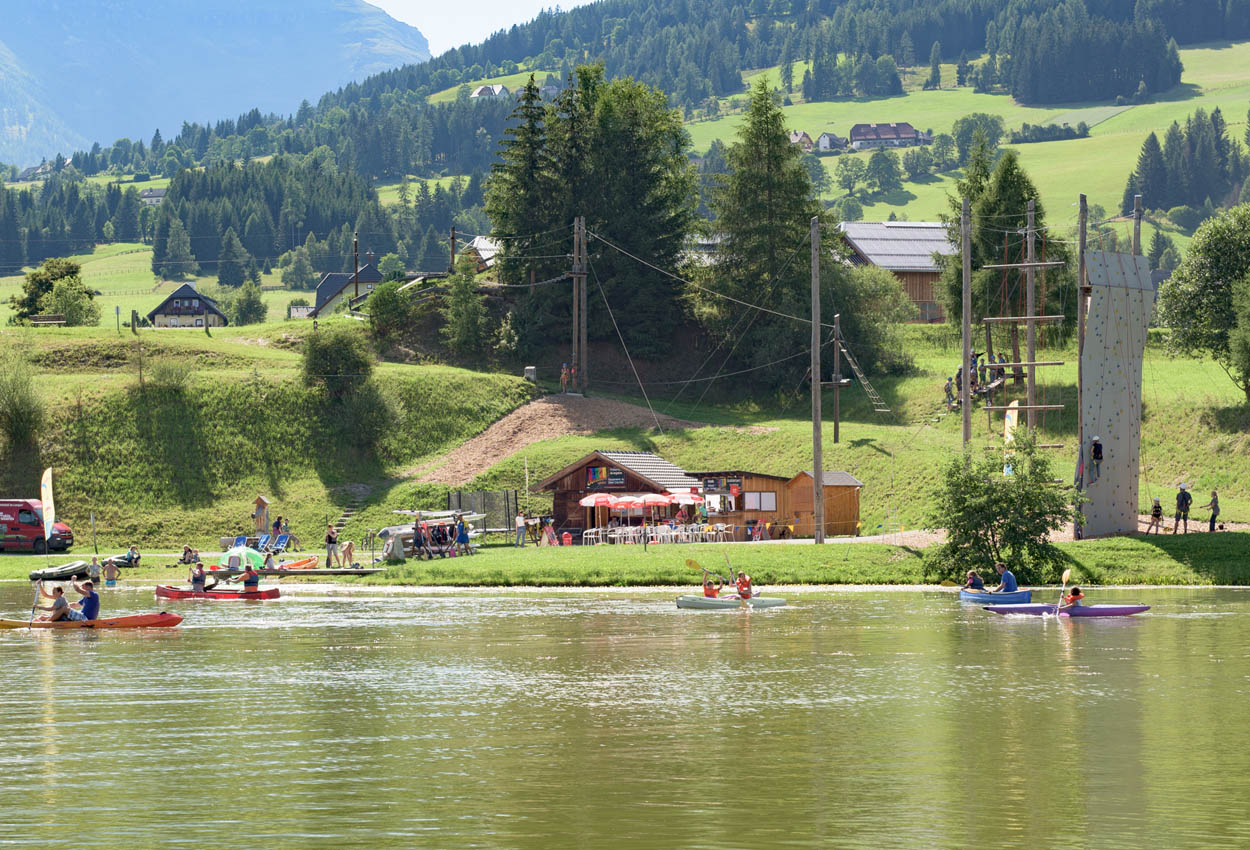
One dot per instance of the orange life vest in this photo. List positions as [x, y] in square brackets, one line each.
[711, 590]
[744, 587]
[1069, 599]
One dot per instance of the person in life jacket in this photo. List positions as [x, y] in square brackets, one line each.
[744, 585]
[711, 589]
[1072, 599]
[1095, 458]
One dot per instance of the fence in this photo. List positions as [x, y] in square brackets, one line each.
[499, 506]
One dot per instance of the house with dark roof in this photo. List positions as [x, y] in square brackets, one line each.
[152, 197]
[909, 250]
[828, 142]
[497, 90]
[337, 286]
[804, 141]
[186, 307]
[897, 135]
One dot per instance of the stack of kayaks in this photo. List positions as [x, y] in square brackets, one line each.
[982, 596]
[1039, 608]
[185, 593]
[135, 621]
[727, 603]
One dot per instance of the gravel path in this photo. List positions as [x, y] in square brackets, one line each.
[548, 417]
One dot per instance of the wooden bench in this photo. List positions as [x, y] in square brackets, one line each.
[49, 319]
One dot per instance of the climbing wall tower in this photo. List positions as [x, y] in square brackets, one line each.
[1121, 304]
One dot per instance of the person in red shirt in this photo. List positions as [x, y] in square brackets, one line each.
[1072, 599]
[744, 585]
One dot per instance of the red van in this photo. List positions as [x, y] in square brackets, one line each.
[21, 527]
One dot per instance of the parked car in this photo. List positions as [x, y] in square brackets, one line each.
[21, 527]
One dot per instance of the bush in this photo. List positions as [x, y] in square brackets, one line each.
[21, 409]
[390, 312]
[850, 209]
[337, 360]
[169, 373]
[1186, 217]
[70, 298]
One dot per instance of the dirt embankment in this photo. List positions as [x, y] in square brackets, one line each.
[548, 417]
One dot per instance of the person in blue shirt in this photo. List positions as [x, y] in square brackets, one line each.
[89, 606]
[1006, 581]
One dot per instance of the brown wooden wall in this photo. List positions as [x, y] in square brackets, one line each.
[921, 289]
[841, 509]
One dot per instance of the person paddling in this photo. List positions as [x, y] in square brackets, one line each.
[744, 585]
[1006, 580]
[250, 579]
[59, 607]
[711, 589]
[1072, 599]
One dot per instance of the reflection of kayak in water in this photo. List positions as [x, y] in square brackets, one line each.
[1075, 611]
[728, 603]
[983, 596]
[135, 621]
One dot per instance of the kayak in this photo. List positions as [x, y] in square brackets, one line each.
[134, 621]
[727, 603]
[997, 598]
[184, 593]
[65, 572]
[1076, 611]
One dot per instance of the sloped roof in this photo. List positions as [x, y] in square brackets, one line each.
[900, 130]
[188, 290]
[900, 246]
[485, 247]
[335, 282]
[835, 479]
[654, 468]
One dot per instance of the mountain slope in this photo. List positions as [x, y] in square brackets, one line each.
[75, 69]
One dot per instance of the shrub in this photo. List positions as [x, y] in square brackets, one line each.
[169, 373]
[1186, 217]
[390, 311]
[70, 298]
[337, 360]
[21, 409]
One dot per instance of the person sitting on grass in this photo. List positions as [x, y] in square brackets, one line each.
[1006, 580]
[1071, 599]
[974, 581]
[711, 589]
[188, 556]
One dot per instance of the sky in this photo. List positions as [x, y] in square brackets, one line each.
[449, 25]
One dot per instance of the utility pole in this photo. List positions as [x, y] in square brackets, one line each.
[837, 376]
[1083, 218]
[577, 299]
[356, 263]
[582, 376]
[451, 258]
[1030, 327]
[818, 462]
[1137, 225]
[965, 386]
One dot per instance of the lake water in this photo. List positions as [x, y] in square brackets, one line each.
[611, 719]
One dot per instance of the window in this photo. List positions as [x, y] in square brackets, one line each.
[199, 323]
[26, 517]
[763, 500]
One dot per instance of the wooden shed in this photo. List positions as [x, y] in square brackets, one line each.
[841, 491]
[744, 499]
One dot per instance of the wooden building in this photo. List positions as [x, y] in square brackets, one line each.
[907, 249]
[185, 307]
[841, 504]
[737, 498]
[614, 472]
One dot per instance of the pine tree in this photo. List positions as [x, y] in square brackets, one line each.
[179, 262]
[935, 67]
[1152, 178]
[232, 260]
[963, 70]
[1174, 154]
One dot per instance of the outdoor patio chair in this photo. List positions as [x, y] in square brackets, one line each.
[262, 543]
[280, 543]
[241, 540]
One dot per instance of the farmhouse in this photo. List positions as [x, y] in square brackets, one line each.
[336, 286]
[827, 142]
[804, 141]
[187, 308]
[497, 90]
[483, 250]
[152, 197]
[907, 249]
[902, 134]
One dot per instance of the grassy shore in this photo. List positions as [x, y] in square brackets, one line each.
[1195, 559]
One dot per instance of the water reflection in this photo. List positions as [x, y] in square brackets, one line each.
[873, 720]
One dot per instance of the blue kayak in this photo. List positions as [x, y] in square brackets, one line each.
[980, 597]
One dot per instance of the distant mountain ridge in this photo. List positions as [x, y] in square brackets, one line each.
[75, 71]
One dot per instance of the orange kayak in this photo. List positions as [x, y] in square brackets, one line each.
[134, 621]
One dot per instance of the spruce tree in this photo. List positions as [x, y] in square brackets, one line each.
[232, 260]
[179, 262]
[935, 67]
[1152, 174]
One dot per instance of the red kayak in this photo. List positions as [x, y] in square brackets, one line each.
[183, 593]
[135, 621]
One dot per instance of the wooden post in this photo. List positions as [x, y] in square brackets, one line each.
[577, 300]
[837, 375]
[1030, 327]
[356, 263]
[1083, 220]
[818, 463]
[582, 376]
[965, 387]
[451, 261]
[1137, 225]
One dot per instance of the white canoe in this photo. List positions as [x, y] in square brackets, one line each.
[707, 603]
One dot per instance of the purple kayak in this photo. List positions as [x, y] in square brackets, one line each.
[1038, 608]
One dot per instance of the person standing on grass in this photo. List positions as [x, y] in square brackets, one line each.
[950, 392]
[520, 529]
[1183, 500]
[332, 546]
[462, 536]
[1214, 505]
[1156, 516]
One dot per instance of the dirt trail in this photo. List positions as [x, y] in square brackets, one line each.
[548, 417]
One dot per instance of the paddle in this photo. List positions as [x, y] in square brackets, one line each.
[695, 565]
[1064, 582]
[35, 604]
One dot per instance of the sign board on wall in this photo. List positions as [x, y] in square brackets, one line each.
[724, 485]
[605, 478]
